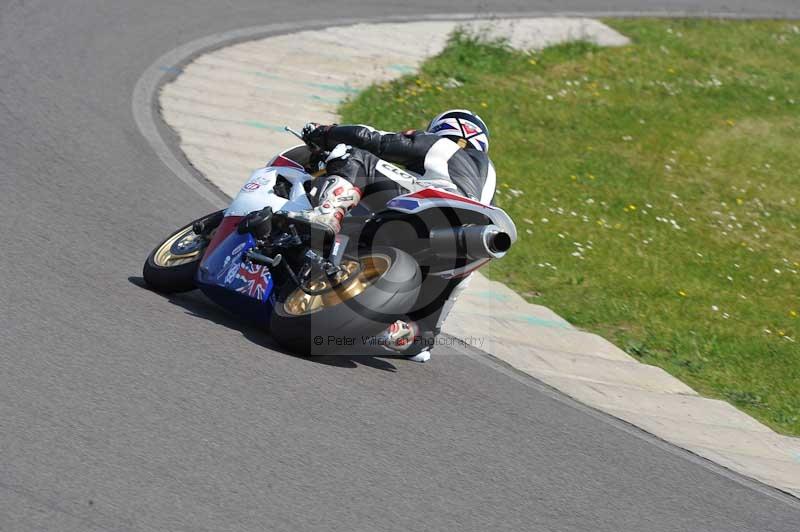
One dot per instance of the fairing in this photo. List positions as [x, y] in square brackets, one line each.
[243, 288]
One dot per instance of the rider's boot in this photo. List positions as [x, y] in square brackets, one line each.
[422, 356]
[335, 196]
[400, 337]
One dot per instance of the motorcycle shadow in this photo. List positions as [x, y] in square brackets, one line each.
[198, 305]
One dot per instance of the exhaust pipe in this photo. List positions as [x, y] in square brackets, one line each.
[471, 242]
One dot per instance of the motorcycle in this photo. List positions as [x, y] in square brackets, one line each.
[317, 291]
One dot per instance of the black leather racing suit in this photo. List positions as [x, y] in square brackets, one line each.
[431, 156]
[468, 172]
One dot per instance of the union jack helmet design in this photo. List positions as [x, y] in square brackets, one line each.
[458, 124]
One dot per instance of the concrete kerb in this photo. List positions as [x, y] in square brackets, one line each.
[579, 364]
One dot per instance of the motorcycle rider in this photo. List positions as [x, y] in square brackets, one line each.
[450, 154]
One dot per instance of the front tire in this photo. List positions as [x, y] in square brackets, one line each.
[385, 289]
[172, 265]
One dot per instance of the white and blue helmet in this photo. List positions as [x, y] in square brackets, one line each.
[462, 126]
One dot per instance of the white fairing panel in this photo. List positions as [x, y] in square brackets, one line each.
[257, 193]
[432, 198]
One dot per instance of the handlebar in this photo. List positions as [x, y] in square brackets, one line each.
[317, 153]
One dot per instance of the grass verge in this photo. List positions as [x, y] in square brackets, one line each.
[656, 189]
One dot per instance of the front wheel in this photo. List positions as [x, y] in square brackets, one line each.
[172, 265]
[328, 315]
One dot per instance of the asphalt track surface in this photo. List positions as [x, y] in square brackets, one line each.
[121, 409]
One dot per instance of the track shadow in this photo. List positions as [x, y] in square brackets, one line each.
[198, 305]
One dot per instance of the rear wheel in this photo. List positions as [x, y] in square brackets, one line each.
[329, 315]
[172, 265]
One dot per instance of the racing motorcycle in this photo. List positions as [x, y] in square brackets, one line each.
[316, 290]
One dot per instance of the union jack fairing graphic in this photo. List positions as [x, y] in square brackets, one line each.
[253, 280]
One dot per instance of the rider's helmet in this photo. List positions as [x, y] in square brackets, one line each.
[464, 127]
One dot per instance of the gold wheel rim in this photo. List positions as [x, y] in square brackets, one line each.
[165, 257]
[347, 287]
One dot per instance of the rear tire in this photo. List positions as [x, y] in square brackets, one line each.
[168, 272]
[345, 325]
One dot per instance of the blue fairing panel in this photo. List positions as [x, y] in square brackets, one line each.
[242, 287]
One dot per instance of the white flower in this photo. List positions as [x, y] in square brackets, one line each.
[714, 308]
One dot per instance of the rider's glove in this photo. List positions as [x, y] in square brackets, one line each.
[315, 134]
